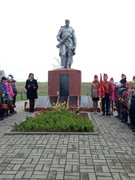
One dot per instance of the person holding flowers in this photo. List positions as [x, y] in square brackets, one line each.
[5, 96]
[1, 97]
[10, 94]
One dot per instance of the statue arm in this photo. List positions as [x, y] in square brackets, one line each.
[74, 38]
[59, 35]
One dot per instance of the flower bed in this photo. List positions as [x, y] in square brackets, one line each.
[58, 120]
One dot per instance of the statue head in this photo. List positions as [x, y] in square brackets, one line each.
[67, 22]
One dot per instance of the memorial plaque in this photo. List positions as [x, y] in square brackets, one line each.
[52, 99]
[84, 101]
[41, 102]
[63, 99]
[64, 84]
[73, 101]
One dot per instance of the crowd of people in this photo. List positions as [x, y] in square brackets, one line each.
[8, 93]
[118, 97]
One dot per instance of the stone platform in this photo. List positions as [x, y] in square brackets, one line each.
[110, 155]
[46, 102]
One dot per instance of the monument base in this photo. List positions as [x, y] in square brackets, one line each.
[64, 85]
[46, 103]
[64, 82]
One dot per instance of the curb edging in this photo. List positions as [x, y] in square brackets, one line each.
[51, 133]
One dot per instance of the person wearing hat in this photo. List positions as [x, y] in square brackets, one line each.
[132, 110]
[133, 78]
[122, 88]
[123, 80]
[107, 92]
[1, 101]
[5, 95]
[94, 93]
[14, 90]
[32, 87]
[10, 94]
[112, 95]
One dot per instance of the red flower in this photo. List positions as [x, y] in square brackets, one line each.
[80, 117]
[4, 106]
[124, 110]
[125, 93]
[123, 101]
[115, 109]
[33, 116]
[72, 109]
[42, 111]
[118, 96]
[13, 105]
[80, 108]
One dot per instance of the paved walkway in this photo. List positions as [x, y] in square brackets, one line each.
[110, 155]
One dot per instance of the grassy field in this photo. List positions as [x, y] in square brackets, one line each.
[43, 89]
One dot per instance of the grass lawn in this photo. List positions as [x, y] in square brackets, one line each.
[43, 89]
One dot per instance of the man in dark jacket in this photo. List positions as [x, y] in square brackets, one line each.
[32, 87]
[132, 111]
[121, 90]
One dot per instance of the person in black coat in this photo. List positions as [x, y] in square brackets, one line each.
[32, 87]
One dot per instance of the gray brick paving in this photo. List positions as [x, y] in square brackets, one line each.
[110, 155]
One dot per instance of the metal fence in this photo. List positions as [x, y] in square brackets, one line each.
[22, 95]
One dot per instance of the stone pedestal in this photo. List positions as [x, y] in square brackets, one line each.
[64, 85]
[64, 82]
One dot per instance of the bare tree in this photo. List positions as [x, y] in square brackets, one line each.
[2, 73]
[58, 65]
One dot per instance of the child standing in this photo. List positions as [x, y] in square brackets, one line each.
[94, 93]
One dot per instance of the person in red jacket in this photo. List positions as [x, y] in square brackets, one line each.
[107, 92]
[133, 78]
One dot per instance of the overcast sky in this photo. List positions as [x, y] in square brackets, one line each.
[105, 32]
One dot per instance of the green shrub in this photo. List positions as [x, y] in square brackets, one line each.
[57, 120]
[54, 121]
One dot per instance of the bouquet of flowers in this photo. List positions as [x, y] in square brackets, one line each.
[13, 106]
[115, 108]
[4, 106]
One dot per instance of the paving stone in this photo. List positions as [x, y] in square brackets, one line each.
[110, 155]
[60, 176]
[39, 167]
[104, 178]
[116, 176]
[19, 174]
[27, 175]
[92, 176]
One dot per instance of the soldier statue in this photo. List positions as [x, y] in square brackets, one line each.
[67, 44]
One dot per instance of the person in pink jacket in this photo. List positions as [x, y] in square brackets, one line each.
[10, 94]
[112, 96]
[10, 90]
